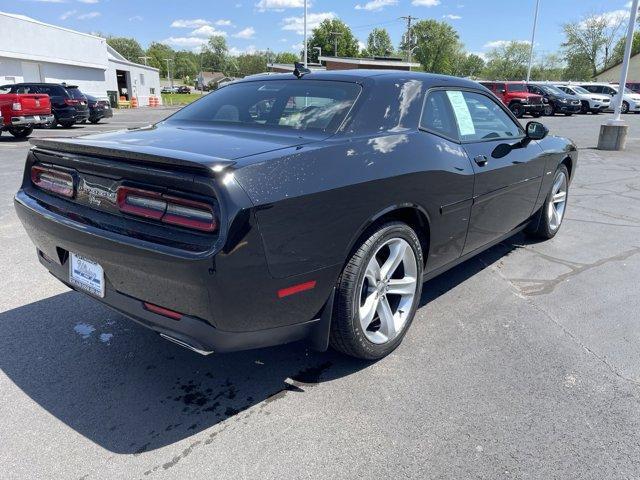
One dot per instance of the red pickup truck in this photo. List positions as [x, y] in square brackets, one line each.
[19, 112]
[516, 96]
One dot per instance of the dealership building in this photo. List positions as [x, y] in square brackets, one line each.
[32, 51]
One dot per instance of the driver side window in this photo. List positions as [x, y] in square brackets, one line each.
[479, 117]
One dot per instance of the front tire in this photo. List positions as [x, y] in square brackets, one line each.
[517, 109]
[378, 293]
[549, 111]
[547, 221]
[625, 107]
[67, 124]
[585, 108]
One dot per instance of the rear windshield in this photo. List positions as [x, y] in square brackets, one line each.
[76, 93]
[287, 104]
[517, 87]
[52, 90]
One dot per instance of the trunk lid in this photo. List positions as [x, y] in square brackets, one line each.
[33, 103]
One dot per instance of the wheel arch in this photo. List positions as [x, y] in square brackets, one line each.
[568, 162]
[410, 213]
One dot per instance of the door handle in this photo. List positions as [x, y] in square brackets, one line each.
[481, 160]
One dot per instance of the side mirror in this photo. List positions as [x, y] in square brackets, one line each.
[536, 131]
[502, 90]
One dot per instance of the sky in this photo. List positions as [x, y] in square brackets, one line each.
[250, 25]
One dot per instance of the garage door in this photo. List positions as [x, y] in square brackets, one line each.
[31, 72]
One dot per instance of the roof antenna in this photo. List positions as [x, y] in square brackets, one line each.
[300, 70]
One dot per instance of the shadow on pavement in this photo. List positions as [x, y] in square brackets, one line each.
[129, 391]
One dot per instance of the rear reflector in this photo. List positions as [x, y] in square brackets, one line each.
[165, 312]
[168, 209]
[16, 106]
[285, 292]
[54, 181]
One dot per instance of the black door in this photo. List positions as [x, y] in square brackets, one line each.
[508, 168]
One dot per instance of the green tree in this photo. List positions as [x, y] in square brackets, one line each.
[618, 50]
[325, 35]
[251, 63]
[437, 46]
[548, 67]
[508, 61]
[578, 67]
[469, 65]
[158, 53]
[187, 64]
[129, 48]
[592, 39]
[378, 43]
[287, 57]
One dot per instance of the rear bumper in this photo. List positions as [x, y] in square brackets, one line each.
[25, 120]
[228, 302]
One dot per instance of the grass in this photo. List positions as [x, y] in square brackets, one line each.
[178, 98]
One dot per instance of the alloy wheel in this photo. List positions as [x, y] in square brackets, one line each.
[387, 291]
[558, 203]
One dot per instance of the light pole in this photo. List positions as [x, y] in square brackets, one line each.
[305, 33]
[145, 59]
[533, 37]
[335, 42]
[613, 134]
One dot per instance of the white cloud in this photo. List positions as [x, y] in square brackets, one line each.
[88, 16]
[89, 1]
[451, 16]
[136, 18]
[207, 31]
[67, 14]
[194, 23]
[224, 23]
[503, 43]
[240, 51]
[297, 46]
[51, 1]
[361, 45]
[613, 18]
[296, 24]
[246, 33]
[185, 42]
[279, 5]
[375, 5]
[425, 3]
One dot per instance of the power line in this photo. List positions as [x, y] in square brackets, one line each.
[409, 19]
[335, 36]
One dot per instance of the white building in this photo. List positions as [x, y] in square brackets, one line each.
[32, 51]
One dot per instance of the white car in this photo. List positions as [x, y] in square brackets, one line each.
[591, 102]
[630, 99]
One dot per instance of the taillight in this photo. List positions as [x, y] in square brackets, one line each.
[168, 209]
[54, 181]
[71, 101]
[16, 106]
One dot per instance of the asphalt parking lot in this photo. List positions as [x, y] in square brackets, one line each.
[523, 363]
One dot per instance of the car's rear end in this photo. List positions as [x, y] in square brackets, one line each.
[79, 102]
[22, 111]
[99, 108]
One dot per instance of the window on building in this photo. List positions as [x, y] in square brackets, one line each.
[152, 91]
[142, 79]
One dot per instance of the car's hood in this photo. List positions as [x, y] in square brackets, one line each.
[178, 144]
[596, 96]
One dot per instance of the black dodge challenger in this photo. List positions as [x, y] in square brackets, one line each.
[284, 207]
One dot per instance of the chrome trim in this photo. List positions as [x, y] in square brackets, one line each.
[185, 345]
[29, 120]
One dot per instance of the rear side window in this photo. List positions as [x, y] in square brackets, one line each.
[75, 93]
[479, 117]
[437, 116]
[287, 104]
[52, 90]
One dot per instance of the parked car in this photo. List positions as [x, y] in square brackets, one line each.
[68, 104]
[169, 90]
[517, 97]
[634, 86]
[20, 110]
[557, 100]
[183, 89]
[630, 100]
[98, 108]
[225, 229]
[591, 102]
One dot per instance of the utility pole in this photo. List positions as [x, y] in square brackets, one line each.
[169, 71]
[409, 19]
[335, 36]
[145, 59]
[533, 37]
[305, 33]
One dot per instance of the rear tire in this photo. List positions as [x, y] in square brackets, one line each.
[585, 107]
[625, 107]
[548, 220]
[21, 132]
[67, 124]
[94, 120]
[369, 319]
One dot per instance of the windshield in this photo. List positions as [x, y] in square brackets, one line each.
[553, 90]
[580, 90]
[287, 104]
[75, 93]
[517, 87]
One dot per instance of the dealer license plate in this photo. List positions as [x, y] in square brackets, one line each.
[86, 274]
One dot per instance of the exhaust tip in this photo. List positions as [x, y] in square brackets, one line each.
[185, 345]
